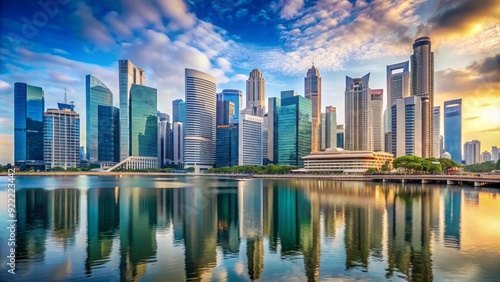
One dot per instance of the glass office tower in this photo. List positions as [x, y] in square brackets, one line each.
[108, 134]
[29, 105]
[143, 121]
[453, 129]
[232, 95]
[294, 130]
[97, 94]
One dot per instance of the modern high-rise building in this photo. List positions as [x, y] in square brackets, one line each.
[143, 121]
[165, 147]
[274, 105]
[97, 94]
[227, 148]
[61, 137]
[406, 129]
[422, 85]
[312, 87]
[234, 96]
[437, 131]
[225, 110]
[178, 111]
[323, 132]
[250, 135]
[398, 86]
[330, 127]
[108, 134]
[340, 136]
[472, 151]
[256, 94]
[485, 156]
[377, 104]
[358, 116]
[199, 142]
[29, 105]
[452, 111]
[494, 154]
[265, 138]
[178, 142]
[128, 74]
[293, 138]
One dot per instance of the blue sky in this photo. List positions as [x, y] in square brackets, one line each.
[55, 43]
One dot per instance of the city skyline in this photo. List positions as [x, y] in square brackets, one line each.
[56, 56]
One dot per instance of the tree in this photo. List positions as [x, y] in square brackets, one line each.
[372, 170]
[498, 164]
[386, 167]
[57, 168]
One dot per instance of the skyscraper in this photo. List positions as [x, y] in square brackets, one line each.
[61, 137]
[178, 142]
[406, 129]
[293, 139]
[398, 86]
[108, 134]
[472, 151]
[250, 135]
[358, 123]
[178, 111]
[143, 121]
[256, 93]
[199, 142]
[377, 104]
[437, 129]
[274, 105]
[265, 138]
[225, 110]
[340, 136]
[165, 148]
[128, 74]
[29, 104]
[234, 96]
[97, 94]
[312, 87]
[323, 132]
[453, 129]
[485, 156]
[422, 85]
[331, 127]
[227, 148]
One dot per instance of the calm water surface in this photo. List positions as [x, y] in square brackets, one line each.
[131, 228]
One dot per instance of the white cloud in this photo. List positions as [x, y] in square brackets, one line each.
[290, 8]
[176, 11]
[224, 64]
[239, 77]
[4, 86]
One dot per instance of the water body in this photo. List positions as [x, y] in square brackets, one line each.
[150, 228]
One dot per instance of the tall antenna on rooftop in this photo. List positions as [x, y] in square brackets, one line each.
[65, 102]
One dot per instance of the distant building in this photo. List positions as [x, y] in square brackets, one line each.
[143, 121]
[453, 129]
[61, 137]
[265, 139]
[343, 161]
[199, 141]
[340, 136]
[358, 116]
[422, 85]
[29, 105]
[437, 132]
[82, 153]
[323, 132]
[494, 154]
[406, 127]
[486, 157]
[312, 87]
[377, 104]
[330, 127]
[108, 134]
[97, 94]
[225, 110]
[472, 151]
[178, 142]
[250, 136]
[256, 93]
[293, 139]
[165, 146]
[232, 95]
[227, 148]
[128, 74]
[398, 86]
[179, 111]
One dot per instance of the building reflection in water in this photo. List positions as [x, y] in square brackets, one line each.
[387, 227]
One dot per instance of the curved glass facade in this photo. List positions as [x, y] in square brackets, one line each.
[199, 143]
[97, 94]
[453, 129]
[143, 121]
[29, 105]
